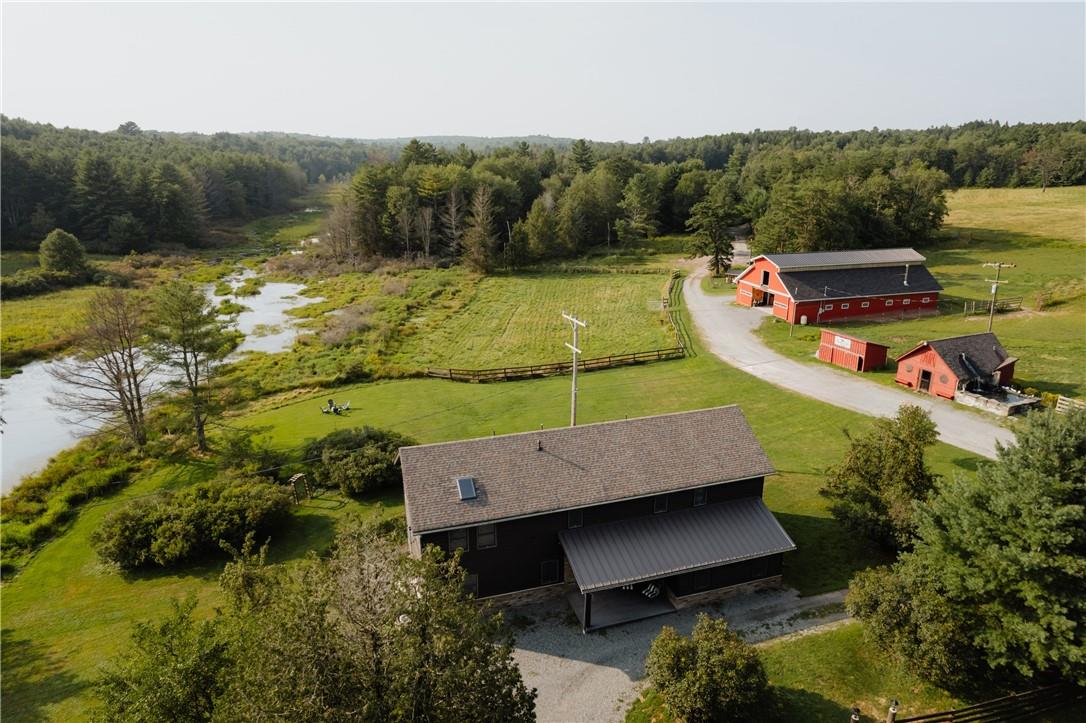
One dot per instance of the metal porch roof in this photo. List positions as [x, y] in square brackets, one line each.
[645, 548]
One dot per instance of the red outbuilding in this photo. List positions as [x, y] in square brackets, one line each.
[854, 354]
[945, 366]
[830, 286]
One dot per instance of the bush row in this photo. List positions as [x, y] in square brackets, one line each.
[39, 507]
[30, 282]
[172, 528]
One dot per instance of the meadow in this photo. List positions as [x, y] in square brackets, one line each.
[1044, 235]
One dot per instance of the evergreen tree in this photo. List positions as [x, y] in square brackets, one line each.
[479, 241]
[583, 158]
[99, 195]
[709, 224]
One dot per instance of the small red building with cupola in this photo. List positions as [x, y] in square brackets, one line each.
[827, 286]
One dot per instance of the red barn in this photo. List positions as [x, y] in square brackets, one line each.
[851, 353]
[944, 366]
[835, 285]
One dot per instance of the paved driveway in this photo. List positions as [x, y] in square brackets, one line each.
[595, 677]
[728, 332]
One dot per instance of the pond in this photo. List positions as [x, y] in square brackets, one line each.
[33, 430]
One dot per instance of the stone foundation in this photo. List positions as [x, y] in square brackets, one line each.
[529, 596]
[722, 593]
[996, 406]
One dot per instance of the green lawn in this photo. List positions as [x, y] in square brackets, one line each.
[64, 614]
[994, 225]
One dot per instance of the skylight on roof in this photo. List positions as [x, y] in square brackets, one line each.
[466, 487]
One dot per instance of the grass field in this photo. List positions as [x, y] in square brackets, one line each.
[37, 326]
[1045, 236]
[64, 614]
[513, 320]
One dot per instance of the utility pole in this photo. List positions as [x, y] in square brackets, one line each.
[998, 266]
[577, 325]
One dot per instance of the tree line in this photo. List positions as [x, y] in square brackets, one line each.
[799, 191]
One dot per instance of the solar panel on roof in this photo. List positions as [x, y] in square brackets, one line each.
[466, 487]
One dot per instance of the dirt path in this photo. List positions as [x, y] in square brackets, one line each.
[728, 332]
[596, 677]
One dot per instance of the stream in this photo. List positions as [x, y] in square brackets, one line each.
[34, 430]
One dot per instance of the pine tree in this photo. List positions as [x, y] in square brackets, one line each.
[583, 158]
[479, 240]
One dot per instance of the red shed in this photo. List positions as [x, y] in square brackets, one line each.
[851, 353]
[944, 366]
[828, 286]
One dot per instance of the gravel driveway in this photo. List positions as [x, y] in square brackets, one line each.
[728, 332]
[595, 677]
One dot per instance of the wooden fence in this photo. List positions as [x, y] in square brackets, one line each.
[973, 308]
[507, 374]
[1066, 404]
[1018, 706]
[531, 371]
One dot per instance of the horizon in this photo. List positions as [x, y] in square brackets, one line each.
[602, 72]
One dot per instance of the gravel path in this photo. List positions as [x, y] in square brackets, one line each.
[728, 331]
[595, 677]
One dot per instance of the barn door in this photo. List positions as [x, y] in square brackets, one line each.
[925, 380]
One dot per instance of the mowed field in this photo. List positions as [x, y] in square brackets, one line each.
[515, 320]
[1044, 235]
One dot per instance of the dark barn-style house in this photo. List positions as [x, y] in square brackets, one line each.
[628, 519]
[826, 286]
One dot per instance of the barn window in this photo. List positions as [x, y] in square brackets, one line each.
[828, 307]
[926, 299]
[765, 278]
[865, 304]
[906, 301]
[701, 496]
[908, 367]
[659, 504]
[458, 540]
[486, 536]
[943, 378]
[889, 302]
[844, 306]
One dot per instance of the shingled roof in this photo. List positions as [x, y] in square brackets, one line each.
[970, 356]
[850, 283]
[869, 258]
[530, 473]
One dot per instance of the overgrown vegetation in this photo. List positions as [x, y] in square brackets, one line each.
[174, 528]
[359, 461]
[369, 635]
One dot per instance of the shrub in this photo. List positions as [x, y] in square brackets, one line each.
[358, 461]
[711, 676]
[174, 528]
[61, 251]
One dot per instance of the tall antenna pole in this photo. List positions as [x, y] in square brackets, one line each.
[577, 325]
[998, 266]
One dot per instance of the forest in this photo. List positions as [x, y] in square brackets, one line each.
[526, 202]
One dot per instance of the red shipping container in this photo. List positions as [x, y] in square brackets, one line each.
[849, 352]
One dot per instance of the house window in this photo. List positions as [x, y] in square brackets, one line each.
[486, 536]
[906, 302]
[575, 518]
[703, 580]
[865, 304]
[844, 306]
[471, 585]
[458, 540]
[701, 496]
[659, 504]
[765, 278]
[828, 307]
[926, 299]
[889, 302]
[548, 572]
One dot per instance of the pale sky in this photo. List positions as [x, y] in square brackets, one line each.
[604, 71]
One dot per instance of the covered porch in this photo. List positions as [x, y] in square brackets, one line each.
[622, 569]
